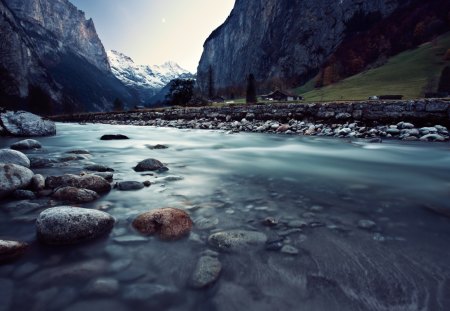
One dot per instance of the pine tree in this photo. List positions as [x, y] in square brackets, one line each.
[251, 90]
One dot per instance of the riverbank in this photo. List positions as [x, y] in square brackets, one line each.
[422, 119]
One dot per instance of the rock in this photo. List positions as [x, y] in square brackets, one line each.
[23, 123]
[78, 151]
[393, 131]
[270, 222]
[9, 156]
[70, 225]
[26, 144]
[75, 195]
[157, 147]
[23, 195]
[13, 177]
[37, 182]
[11, 250]
[343, 116]
[432, 137]
[206, 272]
[106, 175]
[91, 182]
[42, 162]
[170, 178]
[148, 165]
[146, 292]
[237, 240]
[147, 183]
[405, 125]
[6, 294]
[428, 130]
[102, 287]
[98, 168]
[366, 224]
[283, 128]
[114, 137]
[168, 223]
[290, 250]
[129, 185]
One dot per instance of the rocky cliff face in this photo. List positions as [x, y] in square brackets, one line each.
[283, 39]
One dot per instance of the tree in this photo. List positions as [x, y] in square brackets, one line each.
[181, 91]
[211, 91]
[118, 105]
[444, 81]
[251, 90]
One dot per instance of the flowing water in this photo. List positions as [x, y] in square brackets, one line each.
[324, 186]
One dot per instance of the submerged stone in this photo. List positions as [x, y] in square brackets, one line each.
[149, 165]
[11, 250]
[206, 272]
[237, 240]
[26, 144]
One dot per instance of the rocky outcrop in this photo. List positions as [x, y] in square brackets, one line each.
[282, 39]
[21, 123]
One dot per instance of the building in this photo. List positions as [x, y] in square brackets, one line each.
[278, 95]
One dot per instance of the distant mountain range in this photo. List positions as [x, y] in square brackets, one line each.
[146, 80]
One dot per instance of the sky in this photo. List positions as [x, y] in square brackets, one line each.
[152, 32]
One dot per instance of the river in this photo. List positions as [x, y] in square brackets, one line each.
[353, 214]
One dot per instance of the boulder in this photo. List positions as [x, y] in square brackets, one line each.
[168, 223]
[11, 250]
[114, 137]
[37, 182]
[70, 225]
[13, 177]
[26, 144]
[22, 123]
[75, 195]
[206, 272]
[90, 182]
[237, 240]
[148, 165]
[14, 157]
[129, 185]
[98, 168]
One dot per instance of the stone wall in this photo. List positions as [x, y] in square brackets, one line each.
[420, 112]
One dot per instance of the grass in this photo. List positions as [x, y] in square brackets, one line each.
[407, 74]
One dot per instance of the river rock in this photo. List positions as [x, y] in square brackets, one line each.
[237, 240]
[168, 223]
[114, 137]
[75, 195]
[26, 144]
[37, 182]
[432, 137]
[98, 168]
[42, 162]
[70, 225]
[22, 123]
[206, 272]
[10, 250]
[109, 176]
[157, 147]
[13, 177]
[148, 165]
[9, 156]
[90, 182]
[129, 185]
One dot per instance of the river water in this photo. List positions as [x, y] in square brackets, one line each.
[325, 186]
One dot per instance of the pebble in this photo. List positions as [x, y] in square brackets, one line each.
[206, 272]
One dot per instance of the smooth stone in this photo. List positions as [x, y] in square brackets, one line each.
[13, 177]
[23, 195]
[6, 294]
[11, 250]
[203, 223]
[9, 156]
[167, 223]
[98, 168]
[102, 287]
[22, 123]
[26, 144]
[129, 185]
[237, 240]
[146, 292]
[148, 165]
[206, 272]
[75, 195]
[91, 182]
[37, 182]
[114, 137]
[70, 225]
[366, 224]
[106, 175]
[290, 250]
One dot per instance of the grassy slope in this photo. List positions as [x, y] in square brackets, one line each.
[406, 73]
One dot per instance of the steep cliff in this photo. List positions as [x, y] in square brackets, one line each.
[286, 40]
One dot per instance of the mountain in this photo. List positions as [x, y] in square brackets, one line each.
[283, 41]
[51, 53]
[146, 80]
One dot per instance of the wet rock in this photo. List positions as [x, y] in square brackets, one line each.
[129, 185]
[170, 178]
[37, 182]
[91, 182]
[432, 137]
[21, 123]
[6, 294]
[114, 137]
[206, 272]
[23, 195]
[148, 165]
[9, 156]
[42, 162]
[11, 250]
[147, 183]
[366, 224]
[203, 223]
[98, 168]
[70, 225]
[283, 128]
[106, 175]
[290, 250]
[146, 292]
[26, 144]
[274, 245]
[13, 177]
[168, 223]
[237, 240]
[157, 147]
[75, 195]
[102, 287]
[78, 151]
[270, 222]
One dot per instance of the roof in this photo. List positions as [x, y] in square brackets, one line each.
[284, 93]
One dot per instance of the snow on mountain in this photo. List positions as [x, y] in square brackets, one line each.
[144, 76]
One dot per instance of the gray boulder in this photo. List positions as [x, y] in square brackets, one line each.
[26, 144]
[91, 182]
[237, 240]
[22, 123]
[14, 157]
[75, 195]
[206, 272]
[148, 165]
[13, 177]
[70, 225]
[37, 182]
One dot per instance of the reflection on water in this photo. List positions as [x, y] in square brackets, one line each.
[352, 214]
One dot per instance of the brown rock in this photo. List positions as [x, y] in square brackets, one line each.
[10, 250]
[168, 223]
[75, 195]
[91, 182]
